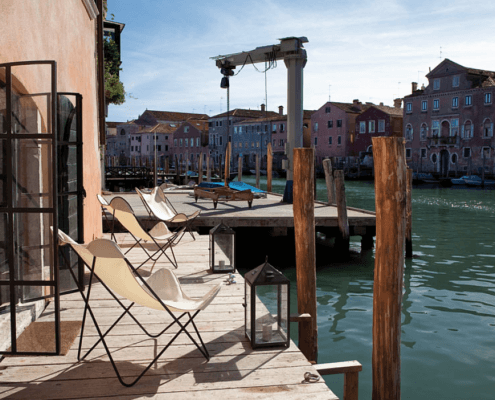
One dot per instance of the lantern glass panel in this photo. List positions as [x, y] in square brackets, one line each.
[223, 252]
[271, 314]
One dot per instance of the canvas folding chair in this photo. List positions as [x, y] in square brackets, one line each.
[122, 211]
[160, 207]
[161, 291]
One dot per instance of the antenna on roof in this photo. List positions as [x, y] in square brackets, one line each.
[440, 52]
[329, 94]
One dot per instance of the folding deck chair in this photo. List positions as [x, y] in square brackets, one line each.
[159, 206]
[122, 211]
[161, 291]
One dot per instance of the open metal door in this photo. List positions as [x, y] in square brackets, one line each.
[29, 278]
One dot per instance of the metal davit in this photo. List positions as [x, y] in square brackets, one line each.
[29, 274]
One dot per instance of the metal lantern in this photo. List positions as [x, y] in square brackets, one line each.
[267, 307]
[222, 249]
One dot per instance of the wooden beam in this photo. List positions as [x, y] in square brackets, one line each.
[409, 179]
[390, 203]
[338, 367]
[304, 229]
[327, 167]
[300, 317]
[269, 167]
[342, 209]
[200, 168]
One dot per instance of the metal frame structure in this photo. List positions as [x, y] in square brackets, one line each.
[10, 209]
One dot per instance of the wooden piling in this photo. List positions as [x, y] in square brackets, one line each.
[343, 238]
[239, 169]
[390, 203]
[208, 168]
[304, 229]
[227, 165]
[167, 166]
[327, 167]
[409, 179]
[200, 168]
[177, 170]
[257, 170]
[269, 167]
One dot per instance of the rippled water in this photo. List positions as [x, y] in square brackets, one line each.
[448, 310]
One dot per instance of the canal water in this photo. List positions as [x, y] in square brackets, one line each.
[448, 309]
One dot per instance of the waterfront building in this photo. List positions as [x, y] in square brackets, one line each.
[448, 125]
[219, 134]
[190, 139]
[377, 120]
[333, 129]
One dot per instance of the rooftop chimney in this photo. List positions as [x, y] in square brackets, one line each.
[263, 108]
[414, 86]
[381, 103]
[281, 110]
[397, 103]
[356, 103]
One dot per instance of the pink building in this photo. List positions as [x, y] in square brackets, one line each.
[449, 124]
[190, 140]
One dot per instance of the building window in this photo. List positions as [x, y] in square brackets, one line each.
[330, 140]
[122, 132]
[220, 123]
[220, 140]
[362, 127]
[466, 152]
[408, 153]
[436, 84]
[274, 128]
[468, 101]
[436, 104]
[424, 105]
[281, 143]
[487, 128]
[316, 141]
[455, 81]
[274, 142]
[180, 142]
[423, 153]
[175, 142]
[186, 142]
[453, 158]
[316, 126]
[485, 152]
[409, 132]
[159, 147]
[132, 148]
[488, 98]
[327, 110]
[330, 124]
[434, 158]
[339, 123]
[339, 140]
[455, 102]
[197, 142]
[423, 132]
[246, 145]
[192, 142]
[371, 126]
[435, 128]
[467, 130]
[454, 127]
[408, 108]
[186, 129]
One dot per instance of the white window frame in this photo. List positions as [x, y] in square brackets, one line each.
[436, 84]
[468, 100]
[408, 108]
[362, 127]
[435, 128]
[454, 127]
[371, 126]
[456, 79]
[455, 102]
[423, 131]
[409, 133]
[436, 104]
[339, 140]
[424, 105]
[464, 132]
[487, 133]
[488, 98]
[381, 125]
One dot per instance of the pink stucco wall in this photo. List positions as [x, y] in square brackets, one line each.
[61, 31]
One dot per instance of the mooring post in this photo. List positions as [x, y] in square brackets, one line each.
[327, 167]
[177, 170]
[269, 167]
[239, 169]
[343, 239]
[257, 171]
[208, 168]
[227, 165]
[304, 229]
[409, 248]
[200, 168]
[390, 203]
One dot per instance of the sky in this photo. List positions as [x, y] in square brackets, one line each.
[367, 50]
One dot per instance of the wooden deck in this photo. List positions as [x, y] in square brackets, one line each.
[234, 370]
[267, 212]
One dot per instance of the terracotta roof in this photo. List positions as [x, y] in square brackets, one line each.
[113, 124]
[277, 117]
[174, 116]
[395, 111]
[240, 112]
[351, 107]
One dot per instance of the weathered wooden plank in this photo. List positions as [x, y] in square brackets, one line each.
[338, 367]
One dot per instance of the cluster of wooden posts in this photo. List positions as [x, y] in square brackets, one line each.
[393, 236]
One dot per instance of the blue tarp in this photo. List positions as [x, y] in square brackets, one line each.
[233, 185]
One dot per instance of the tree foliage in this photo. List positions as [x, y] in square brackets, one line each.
[114, 88]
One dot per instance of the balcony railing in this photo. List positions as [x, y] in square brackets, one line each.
[443, 140]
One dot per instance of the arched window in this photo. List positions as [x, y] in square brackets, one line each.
[467, 130]
[423, 133]
[122, 132]
[453, 158]
[487, 128]
[434, 158]
[409, 132]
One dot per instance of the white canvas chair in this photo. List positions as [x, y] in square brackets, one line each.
[161, 291]
[160, 207]
[122, 211]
